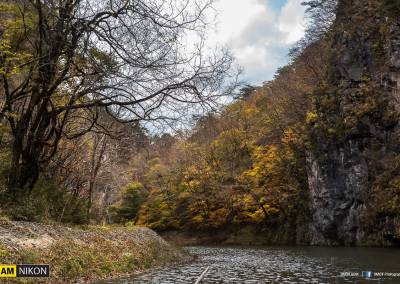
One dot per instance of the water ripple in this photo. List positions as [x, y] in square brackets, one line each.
[283, 265]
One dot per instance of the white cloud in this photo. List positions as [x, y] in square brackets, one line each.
[258, 35]
[234, 17]
[291, 20]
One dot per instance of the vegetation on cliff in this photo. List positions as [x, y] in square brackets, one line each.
[355, 133]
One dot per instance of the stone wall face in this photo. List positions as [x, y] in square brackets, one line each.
[365, 82]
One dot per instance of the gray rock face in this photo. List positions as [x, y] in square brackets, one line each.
[341, 173]
[336, 190]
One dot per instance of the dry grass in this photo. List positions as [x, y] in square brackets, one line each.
[82, 254]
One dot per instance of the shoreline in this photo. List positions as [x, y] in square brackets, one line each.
[249, 238]
[85, 254]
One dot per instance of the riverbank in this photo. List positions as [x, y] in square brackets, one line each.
[242, 238]
[83, 254]
[245, 236]
[278, 236]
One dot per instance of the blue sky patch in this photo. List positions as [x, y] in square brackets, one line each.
[277, 5]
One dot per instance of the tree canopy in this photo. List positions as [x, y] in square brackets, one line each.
[62, 63]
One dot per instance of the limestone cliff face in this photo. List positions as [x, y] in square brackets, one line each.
[360, 139]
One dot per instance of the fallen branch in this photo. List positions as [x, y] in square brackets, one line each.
[201, 277]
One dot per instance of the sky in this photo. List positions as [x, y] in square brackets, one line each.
[259, 33]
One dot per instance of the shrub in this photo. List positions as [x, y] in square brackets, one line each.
[133, 196]
[48, 202]
[392, 4]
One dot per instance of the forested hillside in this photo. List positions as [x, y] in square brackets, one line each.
[243, 166]
[310, 157]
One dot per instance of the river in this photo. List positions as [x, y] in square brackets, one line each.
[279, 265]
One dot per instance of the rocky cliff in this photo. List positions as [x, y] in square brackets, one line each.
[353, 166]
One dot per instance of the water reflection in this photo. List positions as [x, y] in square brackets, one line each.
[278, 265]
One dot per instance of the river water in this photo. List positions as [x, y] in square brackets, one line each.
[280, 265]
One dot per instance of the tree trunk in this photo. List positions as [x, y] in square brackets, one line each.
[100, 144]
[24, 172]
[35, 137]
[89, 204]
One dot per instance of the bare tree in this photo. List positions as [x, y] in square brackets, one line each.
[320, 15]
[65, 60]
[100, 143]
